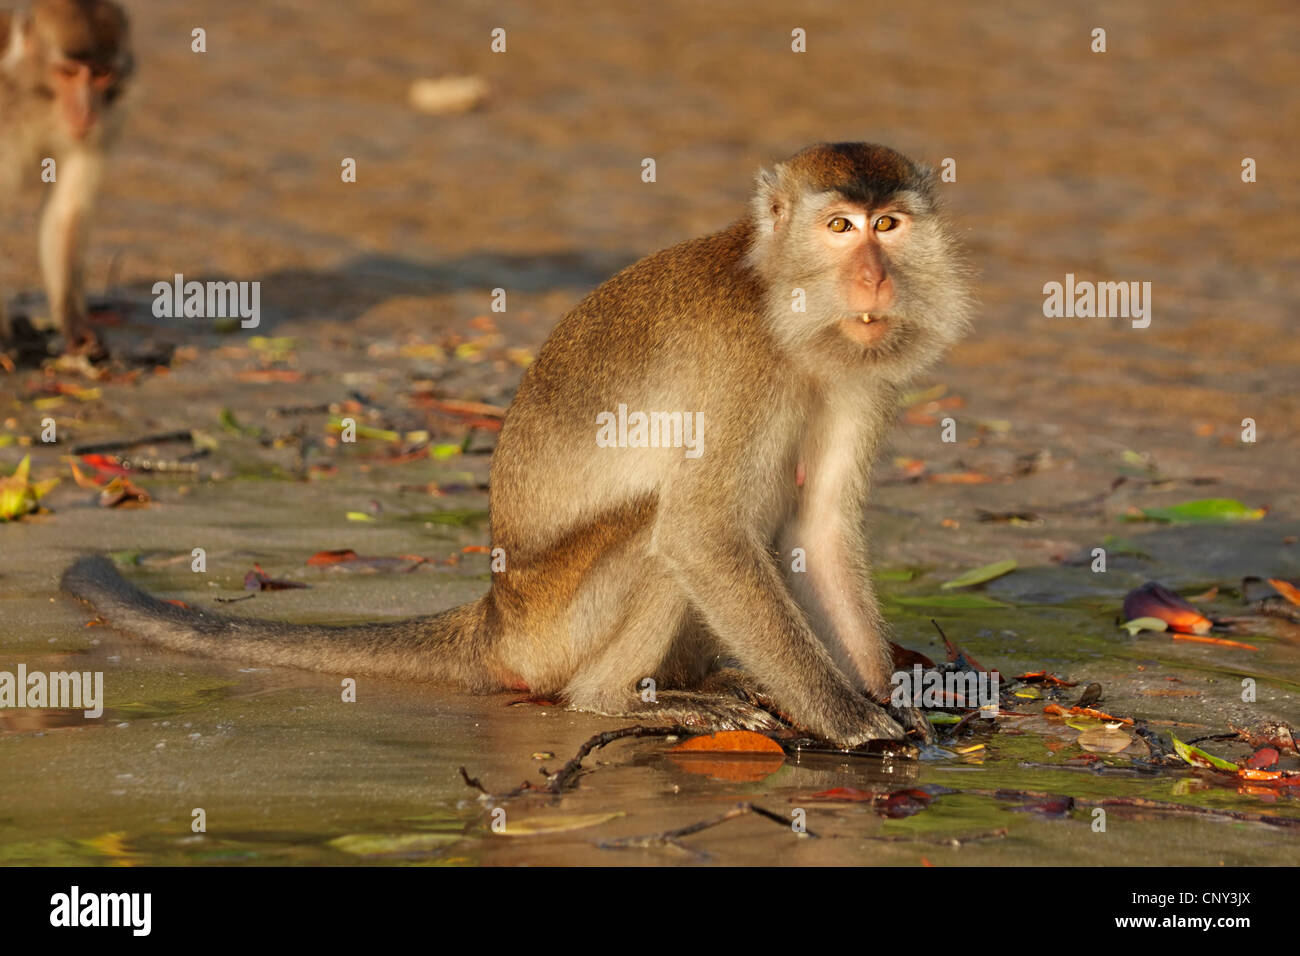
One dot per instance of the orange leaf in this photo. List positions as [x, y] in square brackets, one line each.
[731, 741]
[960, 478]
[1056, 710]
[332, 557]
[1155, 600]
[1286, 589]
[1221, 641]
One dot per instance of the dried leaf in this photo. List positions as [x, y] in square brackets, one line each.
[730, 741]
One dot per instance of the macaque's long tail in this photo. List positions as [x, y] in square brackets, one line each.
[444, 646]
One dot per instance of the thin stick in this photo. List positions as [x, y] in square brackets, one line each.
[566, 777]
[672, 837]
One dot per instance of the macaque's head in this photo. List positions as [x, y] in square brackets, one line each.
[78, 54]
[857, 260]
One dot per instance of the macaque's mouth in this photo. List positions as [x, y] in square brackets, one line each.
[865, 328]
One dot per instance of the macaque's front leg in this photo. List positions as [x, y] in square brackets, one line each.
[833, 582]
[62, 235]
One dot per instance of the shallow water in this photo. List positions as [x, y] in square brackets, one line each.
[287, 772]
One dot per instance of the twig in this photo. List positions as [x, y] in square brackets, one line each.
[672, 837]
[1142, 803]
[953, 841]
[120, 444]
[566, 776]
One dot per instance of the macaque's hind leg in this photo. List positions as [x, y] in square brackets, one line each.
[654, 639]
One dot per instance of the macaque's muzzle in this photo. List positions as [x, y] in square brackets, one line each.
[79, 100]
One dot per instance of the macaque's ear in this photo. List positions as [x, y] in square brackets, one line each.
[771, 199]
[19, 32]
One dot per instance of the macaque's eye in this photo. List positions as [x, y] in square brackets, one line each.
[839, 224]
[884, 223]
[66, 69]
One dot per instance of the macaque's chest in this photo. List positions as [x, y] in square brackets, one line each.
[824, 477]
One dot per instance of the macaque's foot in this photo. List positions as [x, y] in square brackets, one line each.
[867, 721]
[83, 341]
[690, 709]
[733, 682]
[913, 721]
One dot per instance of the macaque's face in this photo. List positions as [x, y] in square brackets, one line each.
[857, 242]
[83, 91]
[77, 55]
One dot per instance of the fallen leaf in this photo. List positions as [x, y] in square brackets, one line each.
[256, 580]
[18, 495]
[970, 601]
[1262, 759]
[534, 826]
[1144, 624]
[1199, 758]
[1105, 740]
[391, 844]
[1221, 641]
[730, 741]
[1153, 600]
[1286, 589]
[1205, 509]
[122, 491]
[331, 557]
[981, 574]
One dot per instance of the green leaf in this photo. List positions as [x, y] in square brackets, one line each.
[388, 844]
[1145, 624]
[367, 431]
[359, 516]
[1199, 758]
[894, 574]
[943, 719]
[231, 424]
[957, 601]
[1206, 509]
[981, 574]
[1115, 545]
[19, 495]
[443, 452]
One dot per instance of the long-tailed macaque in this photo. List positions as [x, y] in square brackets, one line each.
[683, 474]
[64, 65]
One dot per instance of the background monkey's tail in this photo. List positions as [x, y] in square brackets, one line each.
[446, 646]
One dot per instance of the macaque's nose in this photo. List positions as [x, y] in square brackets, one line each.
[880, 285]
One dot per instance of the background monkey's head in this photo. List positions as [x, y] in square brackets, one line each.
[76, 54]
[860, 266]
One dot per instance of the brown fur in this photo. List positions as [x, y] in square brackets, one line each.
[34, 126]
[631, 563]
